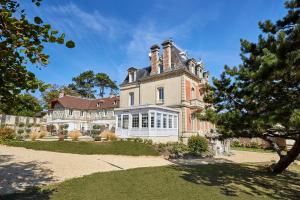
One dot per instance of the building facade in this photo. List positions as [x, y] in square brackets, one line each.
[82, 113]
[173, 80]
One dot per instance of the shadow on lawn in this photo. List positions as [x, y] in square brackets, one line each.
[233, 179]
[15, 177]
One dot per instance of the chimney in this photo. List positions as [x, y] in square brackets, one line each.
[154, 59]
[61, 94]
[167, 54]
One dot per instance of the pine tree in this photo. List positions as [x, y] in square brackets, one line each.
[261, 97]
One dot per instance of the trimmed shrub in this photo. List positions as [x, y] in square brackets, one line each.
[98, 138]
[34, 135]
[197, 144]
[20, 131]
[140, 140]
[30, 125]
[28, 130]
[21, 124]
[7, 133]
[95, 133]
[74, 135]
[96, 126]
[178, 148]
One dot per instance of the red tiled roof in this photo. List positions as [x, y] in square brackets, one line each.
[87, 104]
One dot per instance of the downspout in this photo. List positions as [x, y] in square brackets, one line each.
[139, 83]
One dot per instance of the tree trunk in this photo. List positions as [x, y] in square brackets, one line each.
[286, 160]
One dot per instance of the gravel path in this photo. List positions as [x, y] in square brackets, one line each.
[20, 167]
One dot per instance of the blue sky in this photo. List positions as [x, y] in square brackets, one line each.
[112, 36]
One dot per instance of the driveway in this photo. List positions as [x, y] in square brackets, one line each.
[20, 167]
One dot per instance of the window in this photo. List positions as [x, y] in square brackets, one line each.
[145, 120]
[160, 69]
[158, 120]
[81, 113]
[131, 77]
[70, 112]
[119, 121]
[164, 121]
[131, 98]
[160, 94]
[135, 120]
[193, 93]
[175, 121]
[104, 113]
[99, 104]
[125, 121]
[170, 121]
[152, 119]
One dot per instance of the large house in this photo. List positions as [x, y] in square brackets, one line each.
[159, 101]
[82, 113]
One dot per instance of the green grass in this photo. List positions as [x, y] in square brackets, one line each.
[212, 181]
[253, 149]
[114, 147]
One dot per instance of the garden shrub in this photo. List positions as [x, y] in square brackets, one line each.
[20, 131]
[197, 144]
[96, 126]
[140, 140]
[30, 125]
[34, 135]
[95, 133]
[21, 124]
[74, 135]
[178, 148]
[109, 135]
[148, 141]
[7, 133]
[236, 143]
[254, 145]
[28, 130]
[42, 134]
[97, 138]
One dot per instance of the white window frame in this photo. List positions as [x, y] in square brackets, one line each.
[160, 94]
[135, 122]
[70, 112]
[143, 116]
[131, 98]
[158, 120]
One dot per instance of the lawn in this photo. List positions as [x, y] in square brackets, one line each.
[113, 148]
[213, 181]
[253, 149]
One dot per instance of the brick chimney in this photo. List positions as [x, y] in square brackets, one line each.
[167, 54]
[154, 58]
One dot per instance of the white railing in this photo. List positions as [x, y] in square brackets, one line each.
[197, 103]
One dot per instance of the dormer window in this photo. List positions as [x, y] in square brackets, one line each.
[99, 104]
[131, 74]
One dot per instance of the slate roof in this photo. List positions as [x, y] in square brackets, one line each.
[87, 104]
[179, 59]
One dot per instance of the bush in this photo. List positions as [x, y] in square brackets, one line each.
[7, 133]
[96, 126]
[148, 141]
[34, 135]
[20, 131]
[140, 140]
[21, 124]
[98, 138]
[109, 135]
[74, 135]
[42, 134]
[30, 125]
[254, 145]
[197, 144]
[178, 148]
[236, 143]
[28, 130]
[95, 133]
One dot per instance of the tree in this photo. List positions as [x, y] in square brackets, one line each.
[84, 84]
[103, 81]
[261, 97]
[52, 93]
[21, 44]
[23, 105]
